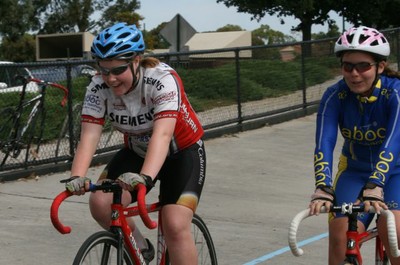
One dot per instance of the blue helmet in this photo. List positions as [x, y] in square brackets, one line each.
[120, 41]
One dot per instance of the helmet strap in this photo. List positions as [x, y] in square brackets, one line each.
[135, 80]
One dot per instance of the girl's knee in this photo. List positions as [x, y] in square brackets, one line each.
[100, 208]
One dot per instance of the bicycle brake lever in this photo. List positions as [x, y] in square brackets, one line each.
[68, 179]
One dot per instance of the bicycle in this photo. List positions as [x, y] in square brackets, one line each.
[118, 246]
[16, 136]
[64, 137]
[354, 239]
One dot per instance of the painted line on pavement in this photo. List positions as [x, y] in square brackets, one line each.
[285, 249]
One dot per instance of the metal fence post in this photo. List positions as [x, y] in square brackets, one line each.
[239, 99]
[303, 73]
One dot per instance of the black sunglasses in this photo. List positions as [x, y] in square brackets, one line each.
[117, 70]
[360, 67]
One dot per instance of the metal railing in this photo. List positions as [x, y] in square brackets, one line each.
[231, 89]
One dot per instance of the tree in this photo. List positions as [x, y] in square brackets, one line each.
[229, 27]
[309, 12]
[17, 17]
[154, 40]
[333, 32]
[269, 36]
[378, 14]
[121, 11]
[22, 50]
[76, 15]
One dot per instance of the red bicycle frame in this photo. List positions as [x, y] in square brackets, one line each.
[118, 219]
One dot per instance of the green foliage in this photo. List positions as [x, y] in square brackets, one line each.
[154, 39]
[379, 14]
[308, 12]
[269, 36]
[259, 79]
[230, 27]
[21, 50]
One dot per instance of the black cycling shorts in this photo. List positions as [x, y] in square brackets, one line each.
[181, 177]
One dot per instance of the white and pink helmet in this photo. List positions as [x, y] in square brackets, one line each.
[363, 39]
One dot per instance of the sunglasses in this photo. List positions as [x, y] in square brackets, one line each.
[360, 67]
[117, 70]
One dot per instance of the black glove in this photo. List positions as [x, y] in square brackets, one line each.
[371, 192]
[323, 193]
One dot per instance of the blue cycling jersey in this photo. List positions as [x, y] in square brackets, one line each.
[370, 128]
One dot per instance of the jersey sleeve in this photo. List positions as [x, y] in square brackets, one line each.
[326, 137]
[94, 103]
[389, 151]
[167, 99]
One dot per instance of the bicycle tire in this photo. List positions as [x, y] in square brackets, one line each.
[204, 244]
[6, 124]
[64, 132]
[34, 134]
[100, 248]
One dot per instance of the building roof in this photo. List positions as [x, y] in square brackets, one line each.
[218, 40]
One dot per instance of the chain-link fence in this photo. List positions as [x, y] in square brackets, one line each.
[229, 89]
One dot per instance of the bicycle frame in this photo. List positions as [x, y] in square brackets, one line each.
[161, 246]
[36, 101]
[354, 239]
[119, 225]
[13, 143]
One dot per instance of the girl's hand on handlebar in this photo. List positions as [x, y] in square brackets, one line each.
[77, 185]
[129, 180]
[323, 196]
[372, 195]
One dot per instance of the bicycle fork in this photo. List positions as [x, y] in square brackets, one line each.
[353, 241]
[125, 237]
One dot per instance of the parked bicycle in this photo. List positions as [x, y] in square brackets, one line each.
[68, 138]
[16, 133]
[354, 239]
[65, 138]
[118, 245]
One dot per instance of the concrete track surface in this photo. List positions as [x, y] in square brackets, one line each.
[257, 181]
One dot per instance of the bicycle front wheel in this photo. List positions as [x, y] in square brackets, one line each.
[206, 254]
[101, 248]
[6, 132]
[64, 142]
[202, 238]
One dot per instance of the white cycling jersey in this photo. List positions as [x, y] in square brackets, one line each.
[159, 94]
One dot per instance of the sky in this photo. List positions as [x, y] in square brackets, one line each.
[208, 15]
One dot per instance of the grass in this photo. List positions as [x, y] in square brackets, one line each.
[259, 79]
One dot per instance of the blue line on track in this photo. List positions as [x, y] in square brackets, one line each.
[285, 249]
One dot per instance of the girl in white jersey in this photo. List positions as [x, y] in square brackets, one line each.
[146, 101]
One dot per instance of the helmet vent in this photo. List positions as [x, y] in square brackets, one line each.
[136, 38]
[123, 48]
[350, 38]
[375, 43]
[123, 35]
[362, 39]
[104, 49]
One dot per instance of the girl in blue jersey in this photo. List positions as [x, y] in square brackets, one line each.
[365, 107]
